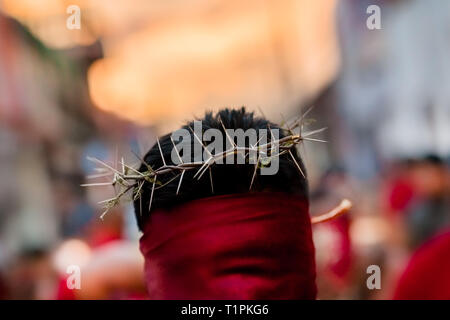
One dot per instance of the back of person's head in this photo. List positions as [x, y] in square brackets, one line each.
[227, 233]
[227, 178]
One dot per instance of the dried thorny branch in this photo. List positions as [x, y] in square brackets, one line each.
[129, 178]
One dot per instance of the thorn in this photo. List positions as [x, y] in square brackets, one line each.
[107, 200]
[103, 164]
[149, 168]
[132, 169]
[179, 183]
[100, 175]
[160, 151]
[211, 180]
[271, 134]
[166, 183]
[201, 142]
[302, 149]
[100, 184]
[254, 173]
[272, 139]
[315, 140]
[175, 147]
[308, 111]
[257, 142]
[151, 195]
[139, 190]
[226, 133]
[202, 168]
[288, 128]
[298, 123]
[302, 118]
[298, 166]
[310, 133]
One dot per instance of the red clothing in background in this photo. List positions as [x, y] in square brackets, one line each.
[427, 275]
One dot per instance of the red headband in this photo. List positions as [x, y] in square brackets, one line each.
[242, 246]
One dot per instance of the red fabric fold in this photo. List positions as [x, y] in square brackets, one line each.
[427, 276]
[242, 246]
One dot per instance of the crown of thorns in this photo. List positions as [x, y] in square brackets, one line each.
[126, 178]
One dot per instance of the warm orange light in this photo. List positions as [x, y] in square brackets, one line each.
[47, 20]
[261, 55]
[166, 61]
[368, 230]
[71, 252]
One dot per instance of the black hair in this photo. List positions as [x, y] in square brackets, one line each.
[227, 178]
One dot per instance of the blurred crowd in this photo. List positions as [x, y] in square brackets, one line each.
[387, 108]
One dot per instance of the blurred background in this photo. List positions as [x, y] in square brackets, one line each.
[138, 69]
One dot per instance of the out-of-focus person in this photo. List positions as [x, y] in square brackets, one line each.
[429, 211]
[427, 275]
[113, 271]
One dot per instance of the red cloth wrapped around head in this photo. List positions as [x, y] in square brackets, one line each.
[427, 276]
[241, 246]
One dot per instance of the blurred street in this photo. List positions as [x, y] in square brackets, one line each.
[135, 70]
